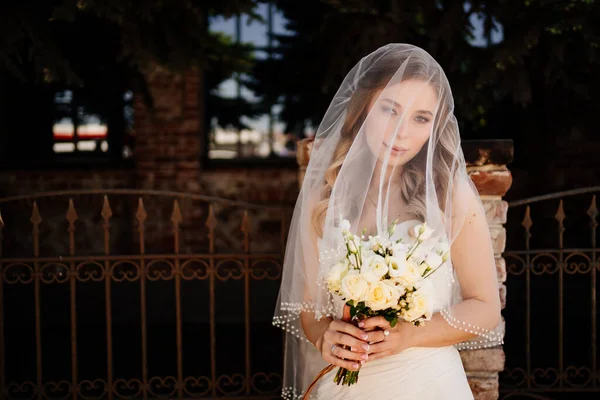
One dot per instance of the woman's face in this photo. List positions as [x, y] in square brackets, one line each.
[400, 120]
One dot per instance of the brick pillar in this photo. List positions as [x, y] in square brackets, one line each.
[168, 140]
[167, 156]
[487, 162]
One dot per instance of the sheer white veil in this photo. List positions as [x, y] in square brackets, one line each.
[367, 166]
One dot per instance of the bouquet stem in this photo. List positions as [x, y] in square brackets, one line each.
[343, 376]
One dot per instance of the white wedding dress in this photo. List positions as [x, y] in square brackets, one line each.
[417, 373]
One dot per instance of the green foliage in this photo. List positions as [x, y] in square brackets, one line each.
[548, 47]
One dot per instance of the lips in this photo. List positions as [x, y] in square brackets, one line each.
[396, 149]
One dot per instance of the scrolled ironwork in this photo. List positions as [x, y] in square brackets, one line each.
[539, 268]
[92, 390]
[229, 269]
[120, 273]
[18, 273]
[163, 386]
[518, 267]
[160, 270]
[195, 269]
[21, 391]
[516, 377]
[229, 385]
[573, 267]
[266, 269]
[545, 377]
[578, 377]
[98, 268]
[90, 271]
[266, 383]
[57, 390]
[54, 272]
[128, 388]
[197, 386]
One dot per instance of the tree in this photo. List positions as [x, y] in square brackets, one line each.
[536, 85]
[77, 42]
[101, 49]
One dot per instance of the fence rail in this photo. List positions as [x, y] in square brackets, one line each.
[140, 323]
[552, 307]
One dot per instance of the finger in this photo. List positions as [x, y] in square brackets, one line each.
[350, 341]
[376, 336]
[377, 356]
[349, 365]
[340, 352]
[349, 329]
[380, 347]
[374, 322]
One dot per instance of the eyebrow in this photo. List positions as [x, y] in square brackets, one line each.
[398, 105]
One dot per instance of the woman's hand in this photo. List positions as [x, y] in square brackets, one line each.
[339, 334]
[395, 340]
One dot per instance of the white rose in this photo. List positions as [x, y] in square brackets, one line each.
[354, 286]
[382, 295]
[335, 276]
[419, 306]
[374, 268]
[397, 266]
[411, 276]
[422, 231]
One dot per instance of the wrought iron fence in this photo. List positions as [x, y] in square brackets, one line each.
[139, 294]
[552, 306]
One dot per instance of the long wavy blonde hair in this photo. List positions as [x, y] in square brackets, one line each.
[413, 173]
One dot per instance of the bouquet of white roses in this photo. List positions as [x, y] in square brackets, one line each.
[379, 276]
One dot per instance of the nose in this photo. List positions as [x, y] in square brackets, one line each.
[400, 130]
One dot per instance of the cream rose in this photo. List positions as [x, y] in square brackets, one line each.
[419, 306]
[411, 276]
[382, 295]
[354, 286]
[374, 268]
[335, 276]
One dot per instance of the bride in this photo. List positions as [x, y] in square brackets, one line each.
[388, 149]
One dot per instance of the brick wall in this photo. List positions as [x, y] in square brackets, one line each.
[169, 146]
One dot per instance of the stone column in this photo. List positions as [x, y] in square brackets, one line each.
[487, 162]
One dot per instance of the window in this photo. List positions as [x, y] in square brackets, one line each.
[261, 134]
[46, 125]
[477, 36]
[79, 129]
